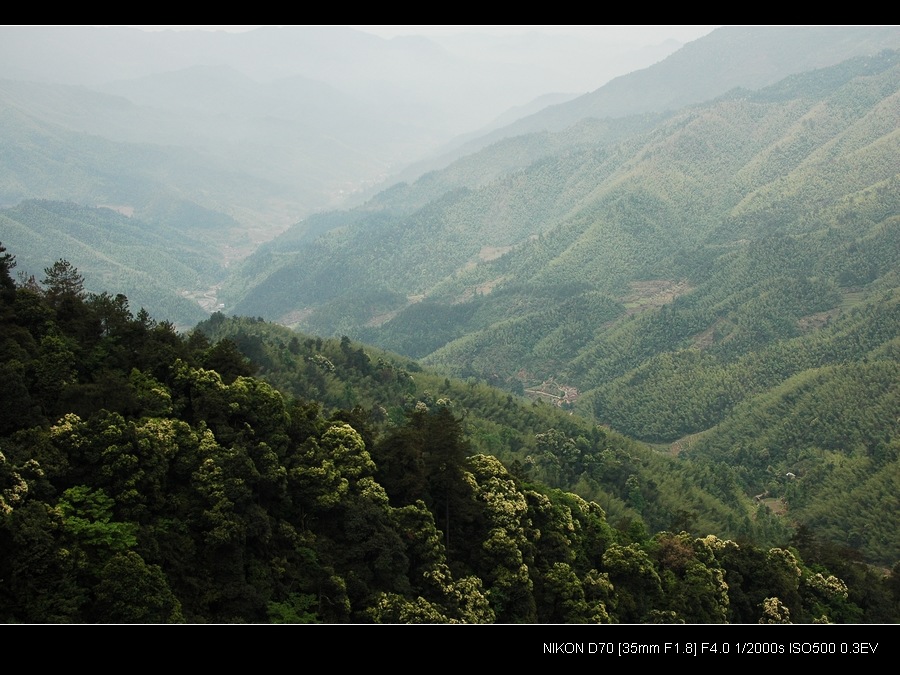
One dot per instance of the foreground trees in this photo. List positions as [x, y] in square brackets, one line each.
[138, 484]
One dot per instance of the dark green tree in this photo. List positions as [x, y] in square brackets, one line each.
[7, 262]
[63, 280]
[131, 591]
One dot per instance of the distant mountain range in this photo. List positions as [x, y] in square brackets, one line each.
[672, 275]
[702, 255]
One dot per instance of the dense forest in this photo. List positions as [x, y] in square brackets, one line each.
[719, 281]
[149, 476]
[634, 358]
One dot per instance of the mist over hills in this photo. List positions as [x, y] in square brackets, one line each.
[750, 57]
[263, 127]
[693, 169]
[701, 255]
[731, 56]
[447, 85]
[657, 273]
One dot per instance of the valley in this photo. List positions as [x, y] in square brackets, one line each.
[639, 350]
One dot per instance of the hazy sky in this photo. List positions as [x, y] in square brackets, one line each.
[656, 33]
[529, 60]
[650, 34]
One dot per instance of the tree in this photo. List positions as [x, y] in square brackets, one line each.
[227, 360]
[87, 517]
[65, 294]
[774, 611]
[112, 312]
[504, 557]
[63, 280]
[445, 451]
[7, 262]
[635, 579]
[131, 591]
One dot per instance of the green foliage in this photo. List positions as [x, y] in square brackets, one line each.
[86, 516]
[130, 591]
[723, 278]
[298, 608]
[149, 264]
[62, 280]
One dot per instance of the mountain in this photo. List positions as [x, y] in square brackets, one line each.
[730, 57]
[264, 153]
[658, 273]
[149, 477]
[725, 156]
[262, 128]
[691, 316]
[164, 267]
[718, 280]
[449, 84]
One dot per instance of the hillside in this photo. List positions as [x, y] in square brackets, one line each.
[163, 265]
[654, 277]
[731, 57]
[631, 359]
[149, 477]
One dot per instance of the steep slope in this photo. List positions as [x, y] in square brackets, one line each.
[631, 204]
[149, 477]
[156, 265]
[749, 57]
[658, 281]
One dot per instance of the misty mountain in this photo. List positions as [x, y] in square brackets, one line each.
[732, 56]
[595, 176]
[455, 84]
[266, 126]
[261, 152]
[163, 267]
[664, 278]
[701, 255]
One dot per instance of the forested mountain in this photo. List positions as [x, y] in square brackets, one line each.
[635, 361]
[630, 194]
[731, 57]
[747, 57]
[227, 138]
[149, 477]
[163, 265]
[656, 274]
[266, 126]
